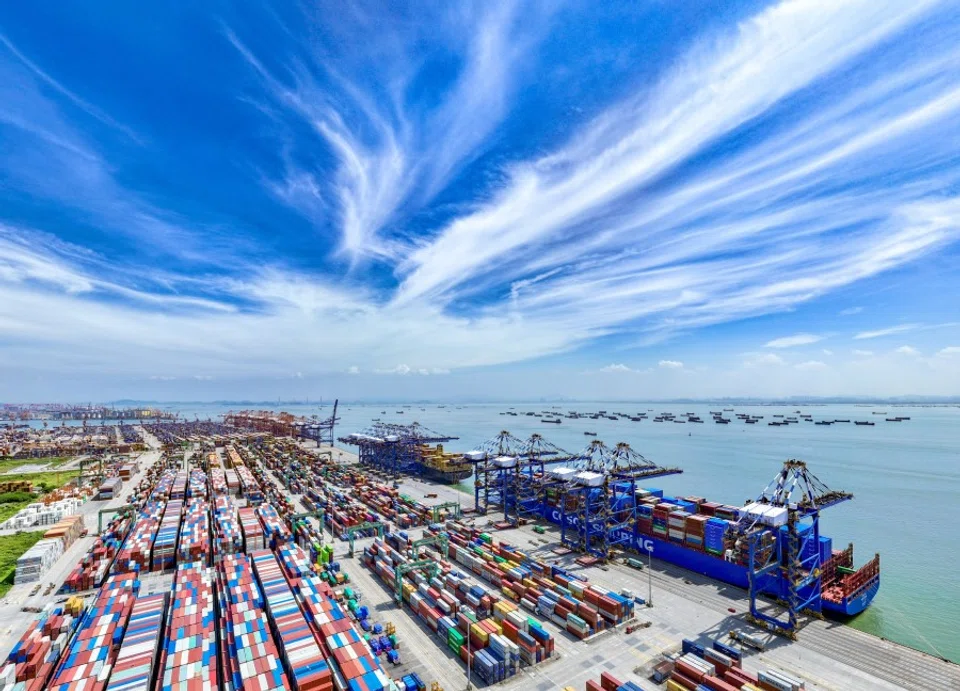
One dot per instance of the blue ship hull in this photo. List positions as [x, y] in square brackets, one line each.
[715, 567]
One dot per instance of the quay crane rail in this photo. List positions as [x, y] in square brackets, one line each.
[781, 533]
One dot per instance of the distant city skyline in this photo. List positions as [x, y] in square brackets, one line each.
[589, 201]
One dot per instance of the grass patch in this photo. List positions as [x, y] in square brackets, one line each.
[8, 510]
[15, 497]
[7, 463]
[47, 480]
[11, 548]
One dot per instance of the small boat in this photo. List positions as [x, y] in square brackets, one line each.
[864, 423]
[553, 422]
[893, 419]
[590, 434]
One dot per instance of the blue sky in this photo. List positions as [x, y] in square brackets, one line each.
[548, 198]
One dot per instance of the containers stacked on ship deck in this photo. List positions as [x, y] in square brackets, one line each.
[253, 539]
[93, 568]
[274, 528]
[302, 656]
[189, 658]
[137, 548]
[165, 546]
[197, 484]
[252, 660]
[87, 664]
[500, 636]
[35, 656]
[195, 534]
[228, 538]
[133, 670]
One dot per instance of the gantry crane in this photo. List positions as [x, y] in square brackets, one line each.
[598, 497]
[351, 531]
[781, 534]
[432, 568]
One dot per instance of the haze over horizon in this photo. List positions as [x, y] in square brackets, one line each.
[508, 199]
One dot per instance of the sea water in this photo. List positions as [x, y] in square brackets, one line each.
[905, 478]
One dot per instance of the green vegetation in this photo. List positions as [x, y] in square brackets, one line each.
[11, 547]
[7, 463]
[15, 497]
[47, 480]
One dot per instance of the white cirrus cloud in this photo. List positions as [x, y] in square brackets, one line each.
[793, 341]
[811, 365]
[949, 350]
[862, 353]
[622, 368]
[907, 350]
[827, 352]
[670, 364]
[889, 331]
[353, 369]
[849, 311]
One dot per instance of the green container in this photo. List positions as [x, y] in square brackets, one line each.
[486, 537]
[348, 593]
[393, 639]
[454, 636]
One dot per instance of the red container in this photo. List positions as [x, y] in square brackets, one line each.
[609, 683]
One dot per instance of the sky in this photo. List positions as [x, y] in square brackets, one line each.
[502, 199]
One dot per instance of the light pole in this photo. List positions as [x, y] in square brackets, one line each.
[649, 578]
[469, 625]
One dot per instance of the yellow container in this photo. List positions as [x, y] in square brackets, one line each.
[481, 634]
[674, 686]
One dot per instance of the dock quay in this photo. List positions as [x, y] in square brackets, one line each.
[316, 545]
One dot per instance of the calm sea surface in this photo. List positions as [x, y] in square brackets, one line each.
[905, 478]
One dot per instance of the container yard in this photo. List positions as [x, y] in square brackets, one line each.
[299, 572]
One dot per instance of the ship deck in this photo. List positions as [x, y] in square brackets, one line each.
[827, 654]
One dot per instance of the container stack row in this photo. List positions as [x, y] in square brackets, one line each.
[35, 656]
[165, 545]
[252, 660]
[218, 482]
[133, 670]
[608, 682]
[189, 657]
[197, 485]
[717, 668]
[87, 663]
[302, 656]
[500, 636]
[179, 488]
[274, 528]
[35, 562]
[194, 542]
[354, 665]
[573, 604]
[93, 568]
[253, 539]
[137, 548]
[228, 538]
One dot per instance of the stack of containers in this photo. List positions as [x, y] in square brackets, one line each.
[218, 482]
[274, 528]
[233, 481]
[356, 667]
[695, 531]
[303, 659]
[717, 669]
[88, 662]
[35, 562]
[92, 569]
[227, 535]
[252, 660]
[661, 514]
[197, 484]
[252, 530]
[165, 546]
[251, 488]
[189, 659]
[195, 534]
[133, 670]
[137, 548]
[179, 488]
[34, 657]
[676, 525]
[161, 490]
[715, 530]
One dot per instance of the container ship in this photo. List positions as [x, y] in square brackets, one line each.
[700, 536]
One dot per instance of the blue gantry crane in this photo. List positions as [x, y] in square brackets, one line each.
[780, 533]
[402, 449]
[598, 497]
